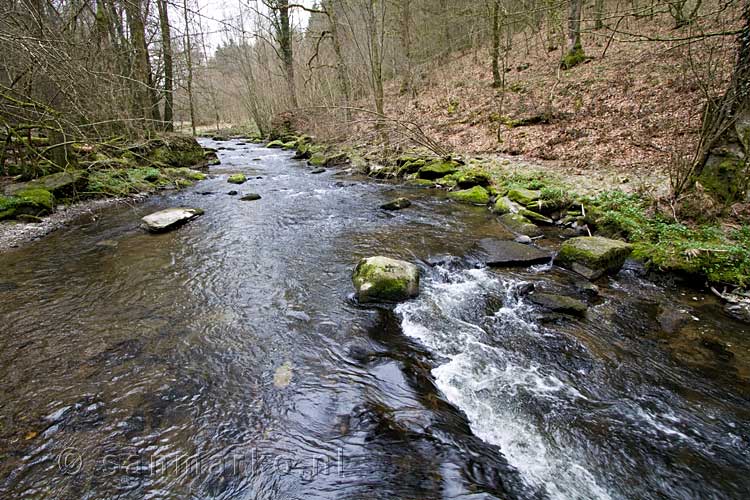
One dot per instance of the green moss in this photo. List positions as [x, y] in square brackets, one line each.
[33, 202]
[318, 159]
[523, 196]
[501, 206]
[184, 173]
[275, 144]
[237, 179]
[437, 169]
[573, 58]
[661, 243]
[40, 198]
[472, 177]
[535, 217]
[723, 179]
[520, 224]
[476, 196]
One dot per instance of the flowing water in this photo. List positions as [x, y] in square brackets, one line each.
[227, 360]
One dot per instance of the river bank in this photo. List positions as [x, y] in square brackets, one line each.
[39, 199]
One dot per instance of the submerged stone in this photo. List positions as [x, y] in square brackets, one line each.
[171, 218]
[318, 171]
[251, 197]
[559, 303]
[382, 279]
[593, 256]
[397, 204]
[476, 196]
[510, 253]
[237, 179]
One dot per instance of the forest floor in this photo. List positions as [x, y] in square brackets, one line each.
[619, 119]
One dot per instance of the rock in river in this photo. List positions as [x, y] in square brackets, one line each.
[559, 303]
[593, 256]
[237, 179]
[509, 253]
[397, 204]
[382, 279]
[250, 197]
[171, 218]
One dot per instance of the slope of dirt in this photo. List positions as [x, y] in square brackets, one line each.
[621, 118]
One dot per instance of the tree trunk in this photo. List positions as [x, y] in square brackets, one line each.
[287, 50]
[406, 22]
[376, 64]
[342, 74]
[166, 46]
[189, 62]
[723, 160]
[599, 14]
[141, 97]
[574, 54]
[496, 80]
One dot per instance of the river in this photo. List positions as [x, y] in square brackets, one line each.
[227, 359]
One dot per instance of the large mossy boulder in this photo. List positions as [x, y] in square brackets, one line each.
[593, 256]
[34, 202]
[382, 279]
[523, 196]
[475, 196]
[520, 225]
[171, 218]
[437, 169]
[174, 150]
[61, 185]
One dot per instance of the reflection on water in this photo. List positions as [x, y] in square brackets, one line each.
[224, 360]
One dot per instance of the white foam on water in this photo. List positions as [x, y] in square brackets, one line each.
[487, 381]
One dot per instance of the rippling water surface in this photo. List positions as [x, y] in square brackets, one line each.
[226, 360]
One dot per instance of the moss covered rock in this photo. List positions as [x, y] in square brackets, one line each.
[437, 169]
[61, 184]
[472, 177]
[501, 206]
[174, 150]
[476, 196]
[237, 179]
[382, 279]
[411, 167]
[520, 225]
[397, 204]
[29, 202]
[593, 256]
[523, 196]
[535, 217]
[275, 144]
